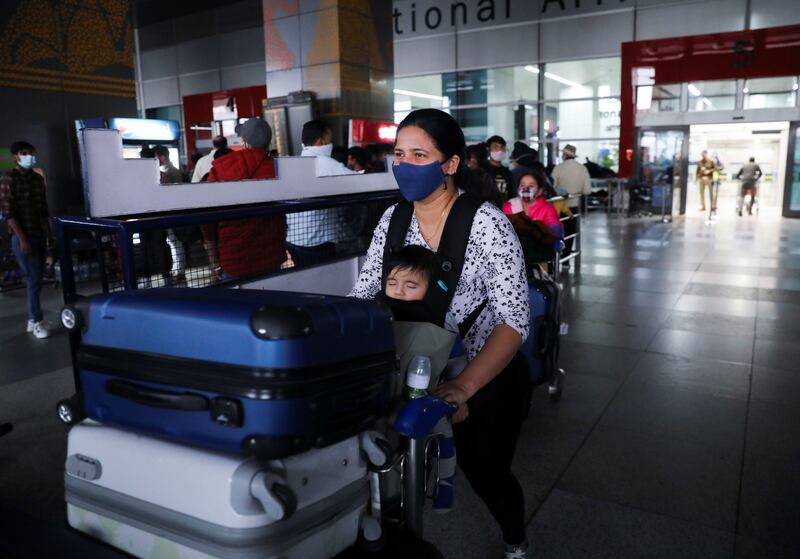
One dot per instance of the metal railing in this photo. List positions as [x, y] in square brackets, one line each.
[616, 195]
[134, 252]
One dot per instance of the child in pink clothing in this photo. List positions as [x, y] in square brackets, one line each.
[532, 201]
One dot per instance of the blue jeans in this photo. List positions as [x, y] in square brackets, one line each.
[33, 266]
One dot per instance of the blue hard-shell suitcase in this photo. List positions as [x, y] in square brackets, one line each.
[541, 347]
[255, 372]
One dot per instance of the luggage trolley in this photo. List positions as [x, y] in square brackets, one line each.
[415, 458]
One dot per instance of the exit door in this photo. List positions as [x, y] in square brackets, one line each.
[662, 163]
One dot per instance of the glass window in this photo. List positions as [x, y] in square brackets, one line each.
[603, 152]
[494, 85]
[658, 98]
[582, 78]
[592, 118]
[512, 122]
[718, 95]
[770, 92]
[420, 92]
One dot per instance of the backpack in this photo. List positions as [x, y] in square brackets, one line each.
[449, 259]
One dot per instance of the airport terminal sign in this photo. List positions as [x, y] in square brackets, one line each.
[429, 17]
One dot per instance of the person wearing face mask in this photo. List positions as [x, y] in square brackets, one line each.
[534, 191]
[313, 234]
[496, 170]
[488, 299]
[23, 204]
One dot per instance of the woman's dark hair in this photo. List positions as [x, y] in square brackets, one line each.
[541, 180]
[478, 151]
[481, 185]
[446, 135]
[339, 153]
[414, 258]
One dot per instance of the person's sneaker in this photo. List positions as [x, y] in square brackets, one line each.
[41, 329]
[517, 551]
[31, 324]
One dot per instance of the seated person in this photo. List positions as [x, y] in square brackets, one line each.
[534, 192]
[410, 269]
[535, 220]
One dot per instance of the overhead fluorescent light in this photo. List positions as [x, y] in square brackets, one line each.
[420, 95]
[559, 79]
[794, 86]
[644, 97]
[706, 101]
[746, 90]
[532, 69]
[694, 91]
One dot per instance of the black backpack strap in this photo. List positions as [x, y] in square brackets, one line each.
[468, 322]
[451, 253]
[396, 234]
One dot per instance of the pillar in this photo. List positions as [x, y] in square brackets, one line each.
[339, 49]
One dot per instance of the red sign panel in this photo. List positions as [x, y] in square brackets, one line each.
[371, 131]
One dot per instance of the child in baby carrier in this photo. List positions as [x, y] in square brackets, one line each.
[410, 269]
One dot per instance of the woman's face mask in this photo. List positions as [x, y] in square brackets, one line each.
[26, 161]
[417, 182]
[497, 155]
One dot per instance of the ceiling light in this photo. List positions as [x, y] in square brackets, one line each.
[706, 101]
[694, 91]
[746, 90]
[532, 69]
[418, 94]
[559, 79]
[794, 86]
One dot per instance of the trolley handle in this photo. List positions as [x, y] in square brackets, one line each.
[184, 401]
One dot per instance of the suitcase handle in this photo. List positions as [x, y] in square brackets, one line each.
[184, 401]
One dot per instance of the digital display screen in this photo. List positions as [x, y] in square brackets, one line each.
[146, 129]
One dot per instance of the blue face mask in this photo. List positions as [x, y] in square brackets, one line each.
[417, 182]
[27, 161]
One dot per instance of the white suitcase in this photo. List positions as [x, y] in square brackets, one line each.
[153, 498]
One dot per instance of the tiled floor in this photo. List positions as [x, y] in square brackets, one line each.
[678, 434]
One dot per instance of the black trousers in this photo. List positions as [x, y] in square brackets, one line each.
[485, 445]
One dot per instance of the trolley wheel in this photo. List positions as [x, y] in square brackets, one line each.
[556, 386]
[71, 318]
[70, 410]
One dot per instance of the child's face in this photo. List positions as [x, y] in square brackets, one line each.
[406, 284]
[528, 187]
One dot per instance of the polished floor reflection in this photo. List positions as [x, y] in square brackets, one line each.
[678, 434]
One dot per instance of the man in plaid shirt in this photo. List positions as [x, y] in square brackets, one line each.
[23, 204]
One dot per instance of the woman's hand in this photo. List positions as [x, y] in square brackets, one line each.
[461, 414]
[453, 392]
[457, 394]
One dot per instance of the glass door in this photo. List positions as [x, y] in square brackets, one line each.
[661, 170]
[791, 192]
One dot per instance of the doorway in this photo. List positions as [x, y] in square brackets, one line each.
[731, 146]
